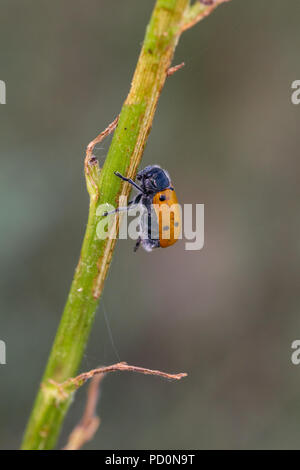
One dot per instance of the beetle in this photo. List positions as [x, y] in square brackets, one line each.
[158, 197]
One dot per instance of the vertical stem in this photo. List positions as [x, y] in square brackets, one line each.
[124, 155]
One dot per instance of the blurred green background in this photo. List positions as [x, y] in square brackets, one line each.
[228, 134]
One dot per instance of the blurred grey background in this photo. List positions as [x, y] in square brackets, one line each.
[228, 134]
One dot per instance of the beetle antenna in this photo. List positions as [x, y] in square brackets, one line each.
[129, 180]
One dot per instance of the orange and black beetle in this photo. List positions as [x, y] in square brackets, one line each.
[155, 194]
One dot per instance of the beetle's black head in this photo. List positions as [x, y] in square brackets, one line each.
[153, 179]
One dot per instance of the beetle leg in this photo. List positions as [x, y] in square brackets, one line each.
[139, 240]
[135, 201]
[119, 209]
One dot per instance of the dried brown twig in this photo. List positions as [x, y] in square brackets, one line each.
[199, 11]
[174, 69]
[91, 163]
[120, 366]
[87, 427]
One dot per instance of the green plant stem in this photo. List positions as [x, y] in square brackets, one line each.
[163, 31]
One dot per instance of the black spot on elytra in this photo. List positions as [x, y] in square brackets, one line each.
[166, 227]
